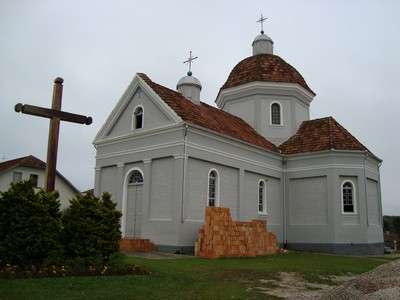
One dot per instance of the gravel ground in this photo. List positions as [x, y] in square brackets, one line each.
[382, 283]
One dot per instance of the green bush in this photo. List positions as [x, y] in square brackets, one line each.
[91, 228]
[30, 225]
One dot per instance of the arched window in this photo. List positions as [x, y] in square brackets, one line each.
[135, 177]
[138, 118]
[262, 198]
[213, 188]
[276, 116]
[348, 198]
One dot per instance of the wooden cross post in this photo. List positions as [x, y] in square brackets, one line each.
[55, 114]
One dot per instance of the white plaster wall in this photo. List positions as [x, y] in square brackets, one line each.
[152, 115]
[109, 184]
[197, 184]
[245, 110]
[308, 201]
[372, 201]
[249, 205]
[161, 190]
[65, 191]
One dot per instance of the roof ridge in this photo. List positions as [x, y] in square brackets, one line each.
[331, 135]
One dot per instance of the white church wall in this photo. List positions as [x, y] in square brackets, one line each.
[274, 201]
[197, 187]
[245, 109]
[302, 113]
[308, 201]
[109, 184]
[341, 229]
[153, 117]
[135, 143]
[276, 133]
[232, 153]
[161, 190]
[372, 201]
[253, 105]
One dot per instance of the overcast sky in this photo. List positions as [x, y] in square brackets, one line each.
[348, 52]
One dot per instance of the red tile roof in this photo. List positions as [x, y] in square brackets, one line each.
[264, 67]
[31, 161]
[26, 161]
[321, 134]
[209, 117]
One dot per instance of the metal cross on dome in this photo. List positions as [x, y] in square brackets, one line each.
[189, 62]
[261, 20]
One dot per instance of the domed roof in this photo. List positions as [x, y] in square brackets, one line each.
[264, 67]
[189, 80]
[262, 37]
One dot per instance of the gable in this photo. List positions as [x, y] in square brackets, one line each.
[119, 121]
[153, 115]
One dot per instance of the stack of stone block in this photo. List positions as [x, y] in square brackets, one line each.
[220, 236]
[136, 245]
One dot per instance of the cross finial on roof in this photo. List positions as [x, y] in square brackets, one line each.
[189, 62]
[261, 20]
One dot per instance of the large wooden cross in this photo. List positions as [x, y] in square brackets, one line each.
[55, 114]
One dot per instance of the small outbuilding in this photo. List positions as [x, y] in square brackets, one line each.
[32, 168]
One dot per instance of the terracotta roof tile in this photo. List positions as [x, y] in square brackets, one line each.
[264, 67]
[26, 161]
[209, 117]
[321, 134]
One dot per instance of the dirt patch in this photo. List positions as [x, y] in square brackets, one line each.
[294, 286]
[381, 283]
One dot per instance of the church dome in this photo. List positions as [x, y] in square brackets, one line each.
[266, 68]
[189, 80]
[190, 87]
[262, 37]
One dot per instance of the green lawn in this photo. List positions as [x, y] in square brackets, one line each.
[188, 278]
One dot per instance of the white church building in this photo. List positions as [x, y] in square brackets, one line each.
[164, 156]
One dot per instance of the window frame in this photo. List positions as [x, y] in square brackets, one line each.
[130, 174]
[354, 212]
[14, 173]
[265, 207]
[217, 188]
[280, 114]
[37, 179]
[134, 117]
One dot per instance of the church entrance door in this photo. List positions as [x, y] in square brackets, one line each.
[134, 204]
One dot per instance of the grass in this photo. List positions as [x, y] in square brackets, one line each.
[189, 278]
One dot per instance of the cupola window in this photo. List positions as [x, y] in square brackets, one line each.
[276, 115]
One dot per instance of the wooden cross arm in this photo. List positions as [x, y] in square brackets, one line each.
[52, 113]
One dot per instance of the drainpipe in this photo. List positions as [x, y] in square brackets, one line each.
[380, 195]
[365, 189]
[184, 170]
[284, 238]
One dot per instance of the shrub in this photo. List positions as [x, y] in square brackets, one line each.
[30, 225]
[91, 228]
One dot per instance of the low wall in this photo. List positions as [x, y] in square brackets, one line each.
[136, 245]
[220, 236]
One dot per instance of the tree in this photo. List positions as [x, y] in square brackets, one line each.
[30, 225]
[91, 228]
